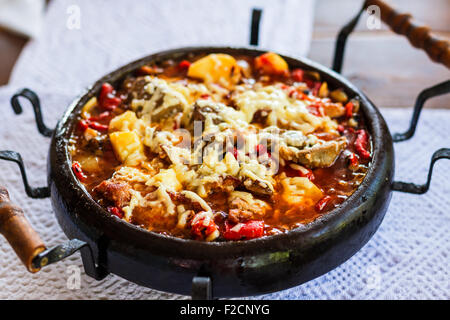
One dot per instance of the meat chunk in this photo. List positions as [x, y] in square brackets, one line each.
[227, 184]
[114, 192]
[215, 111]
[154, 98]
[320, 155]
[261, 115]
[243, 206]
[135, 88]
[204, 109]
[258, 187]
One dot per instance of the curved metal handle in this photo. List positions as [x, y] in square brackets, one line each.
[443, 153]
[418, 35]
[34, 100]
[436, 90]
[37, 193]
[17, 230]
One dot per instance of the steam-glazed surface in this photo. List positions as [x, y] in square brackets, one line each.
[220, 147]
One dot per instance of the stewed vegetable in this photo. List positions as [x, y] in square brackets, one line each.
[221, 147]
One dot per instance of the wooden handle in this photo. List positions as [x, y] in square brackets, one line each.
[17, 230]
[419, 36]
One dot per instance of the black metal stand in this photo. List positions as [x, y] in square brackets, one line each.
[67, 249]
[437, 90]
[201, 288]
[254, 26]
[36, 193]
[408, 187]
[34, 100]
[342, 40]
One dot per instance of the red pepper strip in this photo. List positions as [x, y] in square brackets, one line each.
[290, 172]
[248, 230]
[261, 150]
[235, 153]
[184, 65]
[316, 110]
[322, 203]
[83, 125]
[349, 109]
[292, 93]
[309, 175]
[340, 128]
[98, 126]
[297, 75]
[101, 116]
[315, 89]
[116, 212]
[200, 231]
[145, 70]
[350, 129]
[353, 159]
[76, 168]
[361, 144]
[107, 99]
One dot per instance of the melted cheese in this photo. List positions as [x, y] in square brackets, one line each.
[163, 98]
[132, 131]
[284, 109]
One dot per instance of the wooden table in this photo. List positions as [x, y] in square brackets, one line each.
[382, 64]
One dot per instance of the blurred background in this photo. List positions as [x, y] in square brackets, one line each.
[380, 62]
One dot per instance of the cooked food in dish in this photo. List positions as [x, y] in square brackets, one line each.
[220, 147]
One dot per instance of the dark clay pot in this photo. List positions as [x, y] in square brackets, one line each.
[235, 269]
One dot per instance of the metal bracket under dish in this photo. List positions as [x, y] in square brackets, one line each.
[67, 249]
[36, 193]
[443, 153]
[36, 104]
[201, 288]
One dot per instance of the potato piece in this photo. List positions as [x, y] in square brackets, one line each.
[323, 91]
[338, 95]
[87, 108]
[123, 122]
[216, 68]
[300, 191]
[168, 178]
[127, 147]
[90, 134]
[271, 63]
[90, 164]
[127, 121]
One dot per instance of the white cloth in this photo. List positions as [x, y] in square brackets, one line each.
[407, 257]
[83, 40]
[23, 17]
